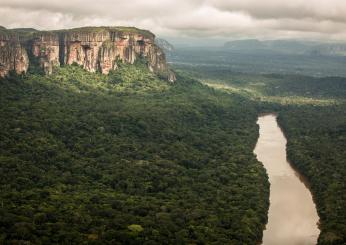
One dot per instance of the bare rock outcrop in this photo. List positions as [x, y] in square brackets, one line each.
[96, 49]
[45, 47]
[13, 55]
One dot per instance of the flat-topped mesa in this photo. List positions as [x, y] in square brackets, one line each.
[93, 48]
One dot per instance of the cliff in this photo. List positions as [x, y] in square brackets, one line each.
[167, 47]
[13, 56]
[96, 49]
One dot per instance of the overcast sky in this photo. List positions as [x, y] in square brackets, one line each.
[222, 19]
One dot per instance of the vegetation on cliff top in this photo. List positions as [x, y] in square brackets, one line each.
[18, 33]
[127, 79]
[121, 29]
[25, 33]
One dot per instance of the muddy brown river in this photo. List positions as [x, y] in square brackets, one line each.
[292, 217]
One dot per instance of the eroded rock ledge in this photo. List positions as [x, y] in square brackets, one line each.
[94, 48]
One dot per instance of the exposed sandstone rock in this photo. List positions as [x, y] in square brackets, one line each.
[94, 48]
[100, 51]
[45, 47]
[82, 46]
[13, 56]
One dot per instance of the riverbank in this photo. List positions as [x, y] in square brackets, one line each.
[292, 216]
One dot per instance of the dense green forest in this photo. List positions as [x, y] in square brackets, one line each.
[316, 146]
[127, 159]
[271, 85]
[312, 113]
[258, 61]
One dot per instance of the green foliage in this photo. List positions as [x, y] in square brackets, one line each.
[123, 29]
[312, 113]
[127, 79]
[221, 61]
[274, 88]
[135, 228]
[84, 157]
[316, 146]
[130, 159]
[28, 33]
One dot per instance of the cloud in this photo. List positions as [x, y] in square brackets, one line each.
[314, 19]
[294, 9]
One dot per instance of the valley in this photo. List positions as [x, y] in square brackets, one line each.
[312, 113]
[102, 142]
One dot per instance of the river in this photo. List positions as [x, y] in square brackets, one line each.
[292, 216]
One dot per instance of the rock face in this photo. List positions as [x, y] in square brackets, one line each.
[45, 47]
[94, 48]
[13, 56]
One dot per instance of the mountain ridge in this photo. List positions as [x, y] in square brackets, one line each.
[289, 46]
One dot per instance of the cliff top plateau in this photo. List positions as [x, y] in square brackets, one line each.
[96, 49]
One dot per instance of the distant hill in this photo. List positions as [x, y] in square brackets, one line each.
[245, 44]
[288, 46]
[336, 49]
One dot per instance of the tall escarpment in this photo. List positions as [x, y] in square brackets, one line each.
[45, 49]
[13, 56]
[84, 47]
[96, 49]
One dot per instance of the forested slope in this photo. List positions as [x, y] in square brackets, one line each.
[127, 159]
